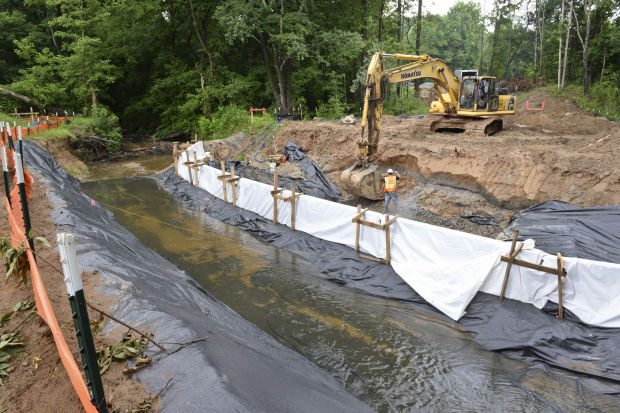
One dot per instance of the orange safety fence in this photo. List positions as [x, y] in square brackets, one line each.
[44, 307]
[49, 122]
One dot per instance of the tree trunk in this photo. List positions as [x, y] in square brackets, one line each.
[202, 41]
[536, 26]
[364, 30]
[94, 97]
[381, 9]
[560, 50]
[400, 21]
[272, 83]
[47, 16]
[603, 69]
[540, 49]
[587, 8]
[418, 28]
[498, 24]
[27, 100]
[417, 43]
[570, 22]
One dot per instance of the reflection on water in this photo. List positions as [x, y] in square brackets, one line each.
[389, 355]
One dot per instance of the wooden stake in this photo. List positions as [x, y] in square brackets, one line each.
[560, 298]
[275, 200]
[357, 229]
[196, 167]
[175, 157]
[224, 180]
[293, 206]
[188, 167]
[234, 185]
[509, 265]
[387, 241]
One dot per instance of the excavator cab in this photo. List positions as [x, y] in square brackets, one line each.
[479, 94]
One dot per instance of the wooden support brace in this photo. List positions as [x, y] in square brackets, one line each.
[233, 183]
[512, 259]
[509, 265]
[229, 179]
[357, 227]
[275, 200]
[276, 194]
[188, 167]
[357, 220]
[561, 271]
[195, 167]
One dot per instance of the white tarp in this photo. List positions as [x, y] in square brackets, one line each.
[446, 267]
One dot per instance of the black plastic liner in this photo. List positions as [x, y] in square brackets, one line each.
[515, 329]
[316, 184]
[556, 226]
[239, 368]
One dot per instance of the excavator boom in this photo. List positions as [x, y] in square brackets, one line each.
[473, 104]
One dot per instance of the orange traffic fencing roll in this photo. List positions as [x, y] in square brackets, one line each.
[44, 307]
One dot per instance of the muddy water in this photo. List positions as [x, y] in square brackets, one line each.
[139, 166]
[384, 352]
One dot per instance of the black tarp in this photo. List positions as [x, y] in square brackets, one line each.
[239, 368]
[516, 329]
[592, 233]
[316, 184]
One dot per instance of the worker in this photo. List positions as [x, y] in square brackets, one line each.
[389, 187]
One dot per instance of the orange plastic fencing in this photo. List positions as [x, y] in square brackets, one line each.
[44, 307]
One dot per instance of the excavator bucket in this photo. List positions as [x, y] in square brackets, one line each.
[362, 181]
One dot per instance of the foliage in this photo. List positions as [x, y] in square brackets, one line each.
[231, 119]
[16, 262]
[128, 348]
[10, 344]
[333, 108]
[407, 104]
[603, 99]
[105, 124]
[21, 306]
[166, 67]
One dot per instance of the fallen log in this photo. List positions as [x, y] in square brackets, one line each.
[27, 100]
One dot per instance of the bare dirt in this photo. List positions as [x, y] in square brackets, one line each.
[38, 381]
[562, 153]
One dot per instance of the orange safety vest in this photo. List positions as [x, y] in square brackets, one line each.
[390, 183]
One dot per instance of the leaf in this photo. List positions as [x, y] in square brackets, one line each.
[43, 241]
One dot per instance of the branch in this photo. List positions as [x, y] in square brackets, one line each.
[578, 28]
[126, 325]
[22, 98]
[200, 39]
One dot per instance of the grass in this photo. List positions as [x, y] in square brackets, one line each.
[602, 99]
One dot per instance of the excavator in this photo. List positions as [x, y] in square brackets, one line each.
[471, 104]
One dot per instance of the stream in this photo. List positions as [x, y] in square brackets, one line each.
[382, 351]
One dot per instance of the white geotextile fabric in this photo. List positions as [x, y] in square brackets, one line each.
[446, 267]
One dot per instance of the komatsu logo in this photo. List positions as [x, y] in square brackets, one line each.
[412, 74]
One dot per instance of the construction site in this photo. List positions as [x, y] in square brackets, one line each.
[266, 278]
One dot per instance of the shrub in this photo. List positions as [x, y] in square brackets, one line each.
[105, 124]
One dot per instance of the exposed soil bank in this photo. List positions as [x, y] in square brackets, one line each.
[562, 153]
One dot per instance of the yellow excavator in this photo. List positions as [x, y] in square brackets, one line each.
[471, 104]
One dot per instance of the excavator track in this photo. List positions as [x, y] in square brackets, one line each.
[474, 126]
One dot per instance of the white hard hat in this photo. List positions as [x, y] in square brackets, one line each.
[390, 171]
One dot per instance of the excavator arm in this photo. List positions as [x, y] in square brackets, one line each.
[377, 81]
